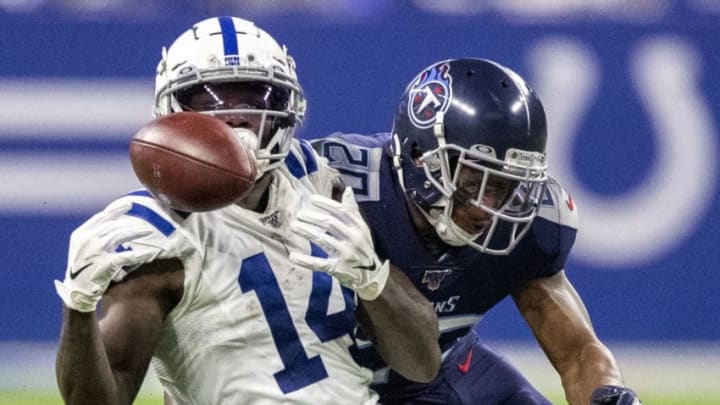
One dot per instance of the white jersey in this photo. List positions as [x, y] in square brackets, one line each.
[252, 328]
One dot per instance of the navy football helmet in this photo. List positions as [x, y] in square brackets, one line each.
[472, 133]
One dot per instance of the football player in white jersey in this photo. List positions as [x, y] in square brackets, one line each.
[253, 303]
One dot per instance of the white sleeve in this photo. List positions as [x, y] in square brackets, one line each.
[136, 226]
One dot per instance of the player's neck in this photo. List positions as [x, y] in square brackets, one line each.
[425, 230]
[257, 199]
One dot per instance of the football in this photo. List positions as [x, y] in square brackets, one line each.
[192, 162]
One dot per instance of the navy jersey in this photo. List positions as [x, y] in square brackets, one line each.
[461, 282]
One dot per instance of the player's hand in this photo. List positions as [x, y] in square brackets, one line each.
[340, 230]
[614, 395]
[100, 259]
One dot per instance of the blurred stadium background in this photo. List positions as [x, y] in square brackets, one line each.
[631, 90]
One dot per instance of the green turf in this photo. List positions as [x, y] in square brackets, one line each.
[38, 398]
[45, 398]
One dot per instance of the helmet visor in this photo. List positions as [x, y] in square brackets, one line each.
[205, 97]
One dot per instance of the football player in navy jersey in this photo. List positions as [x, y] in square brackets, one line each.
[212, 299]
[458, 197]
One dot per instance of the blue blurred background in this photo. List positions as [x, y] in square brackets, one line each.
[631, 91]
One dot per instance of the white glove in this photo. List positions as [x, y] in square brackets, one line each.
[340, 230]
[100, 258]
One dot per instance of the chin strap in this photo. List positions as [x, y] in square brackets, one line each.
[396, 150]
[453, 235]
[450, 234]
[439, 128]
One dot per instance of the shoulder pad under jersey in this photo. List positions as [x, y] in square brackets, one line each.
[137, 220]
[311, 169]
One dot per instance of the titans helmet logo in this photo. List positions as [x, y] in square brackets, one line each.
[430, 93]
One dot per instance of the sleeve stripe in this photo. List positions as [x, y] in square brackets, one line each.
[293, 164]
[316, 251]
[310, 161]
[145, 193]
[142, 193]
[308, 164]
[151, 217]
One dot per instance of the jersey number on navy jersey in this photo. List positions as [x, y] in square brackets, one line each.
[354, 163]
[300, 370]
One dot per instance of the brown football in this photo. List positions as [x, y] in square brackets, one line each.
[192, 162]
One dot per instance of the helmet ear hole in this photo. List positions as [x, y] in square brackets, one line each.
[415, 151]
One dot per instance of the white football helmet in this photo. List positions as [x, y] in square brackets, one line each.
[223, 51]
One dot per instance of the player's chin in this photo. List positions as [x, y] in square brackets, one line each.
[482, 228]
[474, 227]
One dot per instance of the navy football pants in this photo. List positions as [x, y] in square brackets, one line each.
[485, 379]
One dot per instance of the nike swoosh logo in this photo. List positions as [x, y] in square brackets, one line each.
[570, 203]
[465, 367]
[76, 273]
[371, 267]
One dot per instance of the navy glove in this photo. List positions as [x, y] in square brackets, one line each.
[614, 395]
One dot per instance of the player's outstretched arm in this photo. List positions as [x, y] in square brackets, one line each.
[103, 359]
[401, 321]
[560, 322]
[404, 328]
[82, 367]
